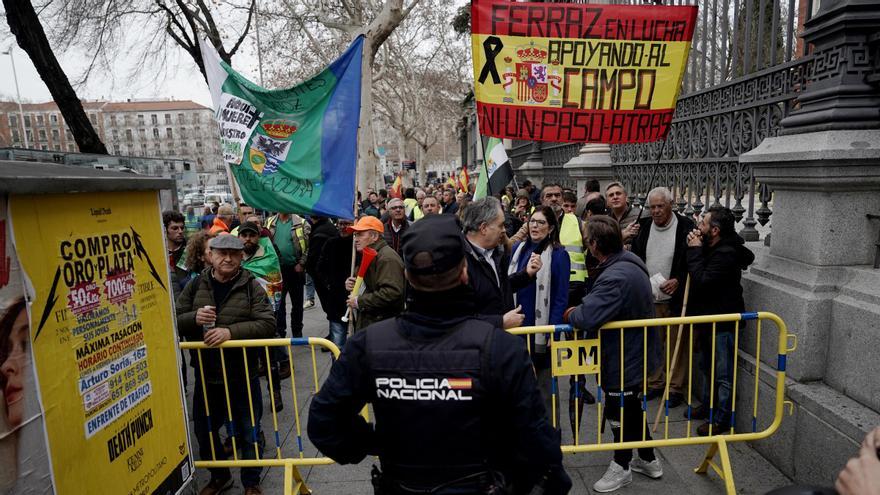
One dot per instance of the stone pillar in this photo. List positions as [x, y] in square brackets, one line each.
[593, 161]
[824, 169]
[533, 168]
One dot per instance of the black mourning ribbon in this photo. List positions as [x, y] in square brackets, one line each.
[491, 48]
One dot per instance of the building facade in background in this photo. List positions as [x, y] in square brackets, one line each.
[155, 129]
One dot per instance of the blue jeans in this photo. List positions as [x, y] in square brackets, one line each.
[310, 288]
[724, 359]
[293, 283]
[338, 333]
[248, 437]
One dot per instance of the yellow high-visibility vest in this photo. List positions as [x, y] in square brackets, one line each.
[570, 237]
[297, 229]
[412, 205]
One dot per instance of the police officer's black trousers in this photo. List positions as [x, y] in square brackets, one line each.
[633, 425]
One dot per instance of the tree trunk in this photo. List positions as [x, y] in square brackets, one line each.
[423, 175]
[367, 176]
[28, 31]
[401, 147]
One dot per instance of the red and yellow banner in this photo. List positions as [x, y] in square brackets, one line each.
[578, 72]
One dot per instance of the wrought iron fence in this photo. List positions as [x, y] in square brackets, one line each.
[743, 77]
[744, 72]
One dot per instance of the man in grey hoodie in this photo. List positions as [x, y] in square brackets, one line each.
[622, 291]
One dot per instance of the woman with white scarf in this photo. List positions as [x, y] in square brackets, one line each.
[545, 299]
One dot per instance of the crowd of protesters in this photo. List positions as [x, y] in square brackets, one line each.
[535, 256]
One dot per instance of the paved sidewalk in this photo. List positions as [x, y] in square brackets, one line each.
[752, 474]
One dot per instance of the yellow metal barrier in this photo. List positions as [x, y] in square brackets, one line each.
[293, 480]
[580, 350]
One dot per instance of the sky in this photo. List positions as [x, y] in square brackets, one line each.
[183, 80]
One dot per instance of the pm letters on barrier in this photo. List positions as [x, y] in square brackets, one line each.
[575, 357]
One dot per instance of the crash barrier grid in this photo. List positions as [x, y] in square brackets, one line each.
[717, 444]
[293, 480]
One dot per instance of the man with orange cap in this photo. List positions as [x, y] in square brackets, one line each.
[383, 287]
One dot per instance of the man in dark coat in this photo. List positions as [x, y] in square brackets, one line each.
[334, 265]
[621, 292]
[456, 405]
[716, 257]
[450, 206]
[322, 231]
[661, 242]
[483, 225]
[226, 302]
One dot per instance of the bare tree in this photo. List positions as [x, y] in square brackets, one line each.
[100, 27]
[25, 25]
[318, 26]
[426, 69]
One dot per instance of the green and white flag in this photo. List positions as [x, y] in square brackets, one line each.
[291, 150]
[496, 172]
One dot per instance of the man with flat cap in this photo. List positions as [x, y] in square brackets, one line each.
[226, 302]
[456, 405]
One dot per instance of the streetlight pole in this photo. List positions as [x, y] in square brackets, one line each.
[259, 49]
[18, 97]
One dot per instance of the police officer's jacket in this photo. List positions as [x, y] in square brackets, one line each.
[452, 395]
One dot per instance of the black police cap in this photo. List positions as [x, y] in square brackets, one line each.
[433, 245]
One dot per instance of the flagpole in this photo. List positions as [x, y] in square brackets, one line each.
[233, 185]
[354, 206]
[483, 154]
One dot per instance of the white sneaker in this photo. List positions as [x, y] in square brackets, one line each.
[651, 469]
[614, 478]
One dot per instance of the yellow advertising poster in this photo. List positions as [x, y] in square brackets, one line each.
[103, 341]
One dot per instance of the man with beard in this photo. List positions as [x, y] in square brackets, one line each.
[176, 241]
[261, 260]
[716, 257]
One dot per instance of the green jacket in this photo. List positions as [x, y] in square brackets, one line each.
[245, 312]
[384, 282]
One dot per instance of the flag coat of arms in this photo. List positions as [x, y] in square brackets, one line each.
[291, 150]
[578, 72]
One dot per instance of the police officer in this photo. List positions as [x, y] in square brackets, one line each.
[455, 399]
